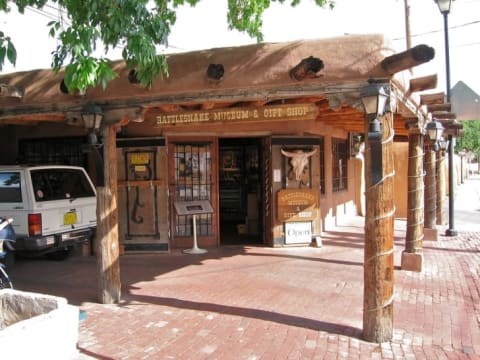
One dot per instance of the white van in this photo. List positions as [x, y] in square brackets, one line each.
[53, 208]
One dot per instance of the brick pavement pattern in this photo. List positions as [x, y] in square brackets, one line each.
[250, 302]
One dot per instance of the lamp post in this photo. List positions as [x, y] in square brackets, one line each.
[444, 7]
[462, 171]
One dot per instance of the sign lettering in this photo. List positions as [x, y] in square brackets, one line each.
[272, 112]
[298, 232]
[297, 204]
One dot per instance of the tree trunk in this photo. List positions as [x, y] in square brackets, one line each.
[108, 267]
[379, 246]
[414, 236]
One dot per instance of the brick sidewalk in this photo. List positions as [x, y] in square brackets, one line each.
[264, 303]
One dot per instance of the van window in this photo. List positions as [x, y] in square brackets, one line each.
[10, 187]
[58, 184]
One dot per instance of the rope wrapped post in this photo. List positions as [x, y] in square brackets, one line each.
[430, 230]
[412, 256]
[107, 246]
[441, 186]
[379, 245]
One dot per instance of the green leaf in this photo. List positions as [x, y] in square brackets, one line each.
[11, 52]
[3, 52]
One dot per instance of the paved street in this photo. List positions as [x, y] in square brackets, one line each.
[288, 303]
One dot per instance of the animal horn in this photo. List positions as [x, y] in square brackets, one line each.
[287, 153]
[310, 153]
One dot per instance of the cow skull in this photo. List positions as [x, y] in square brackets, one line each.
[298, 161]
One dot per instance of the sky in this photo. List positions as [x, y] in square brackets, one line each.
[205, 27]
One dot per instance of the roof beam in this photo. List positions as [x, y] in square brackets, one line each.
[440, 107]
[407, 59]
[423, 83]
[432, 99]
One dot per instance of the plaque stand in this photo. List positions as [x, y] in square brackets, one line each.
[195, 249]
[194, 207]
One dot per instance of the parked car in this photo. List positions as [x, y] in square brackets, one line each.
[53, 208]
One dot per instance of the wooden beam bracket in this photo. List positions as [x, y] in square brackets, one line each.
[308, 67]
[423, 83]
[11, 91]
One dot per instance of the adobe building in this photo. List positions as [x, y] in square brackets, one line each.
[260, 144]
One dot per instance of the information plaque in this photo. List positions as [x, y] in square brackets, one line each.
[193, 207]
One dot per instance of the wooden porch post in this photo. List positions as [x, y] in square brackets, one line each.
[430, 231]
[379, 246]
[412, 257]
[441, 187]
[430, 188]
[108, 267]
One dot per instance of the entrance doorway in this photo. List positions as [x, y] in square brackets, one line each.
[240, 186]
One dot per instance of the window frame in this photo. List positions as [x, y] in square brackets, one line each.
[340, 154]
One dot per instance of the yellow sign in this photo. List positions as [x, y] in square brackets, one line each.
[297, 204]
[272, 112]
[139, 158]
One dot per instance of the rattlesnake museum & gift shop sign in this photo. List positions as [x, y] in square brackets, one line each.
[265, 113]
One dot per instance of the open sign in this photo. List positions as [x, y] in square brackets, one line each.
[298, 232]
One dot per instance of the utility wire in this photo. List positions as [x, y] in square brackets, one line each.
[42, 13]
[63, 12]
[437, 31]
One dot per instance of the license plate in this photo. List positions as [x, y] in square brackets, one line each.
[70, 218]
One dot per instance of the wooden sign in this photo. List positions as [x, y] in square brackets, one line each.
[265, 113]
[297, 204]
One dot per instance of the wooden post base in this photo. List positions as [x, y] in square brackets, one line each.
[430, 234]
[412, 262]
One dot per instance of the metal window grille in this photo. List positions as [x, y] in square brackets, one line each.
[339, 166]
[322, 166]
[193, 181]
[65, 151]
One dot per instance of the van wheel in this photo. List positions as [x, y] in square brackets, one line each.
[60, 255]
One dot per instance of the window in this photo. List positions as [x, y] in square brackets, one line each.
[10, 190]
[63, 151]
[58, 184]
[193, 181]
[322, 166]
[339, 165]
